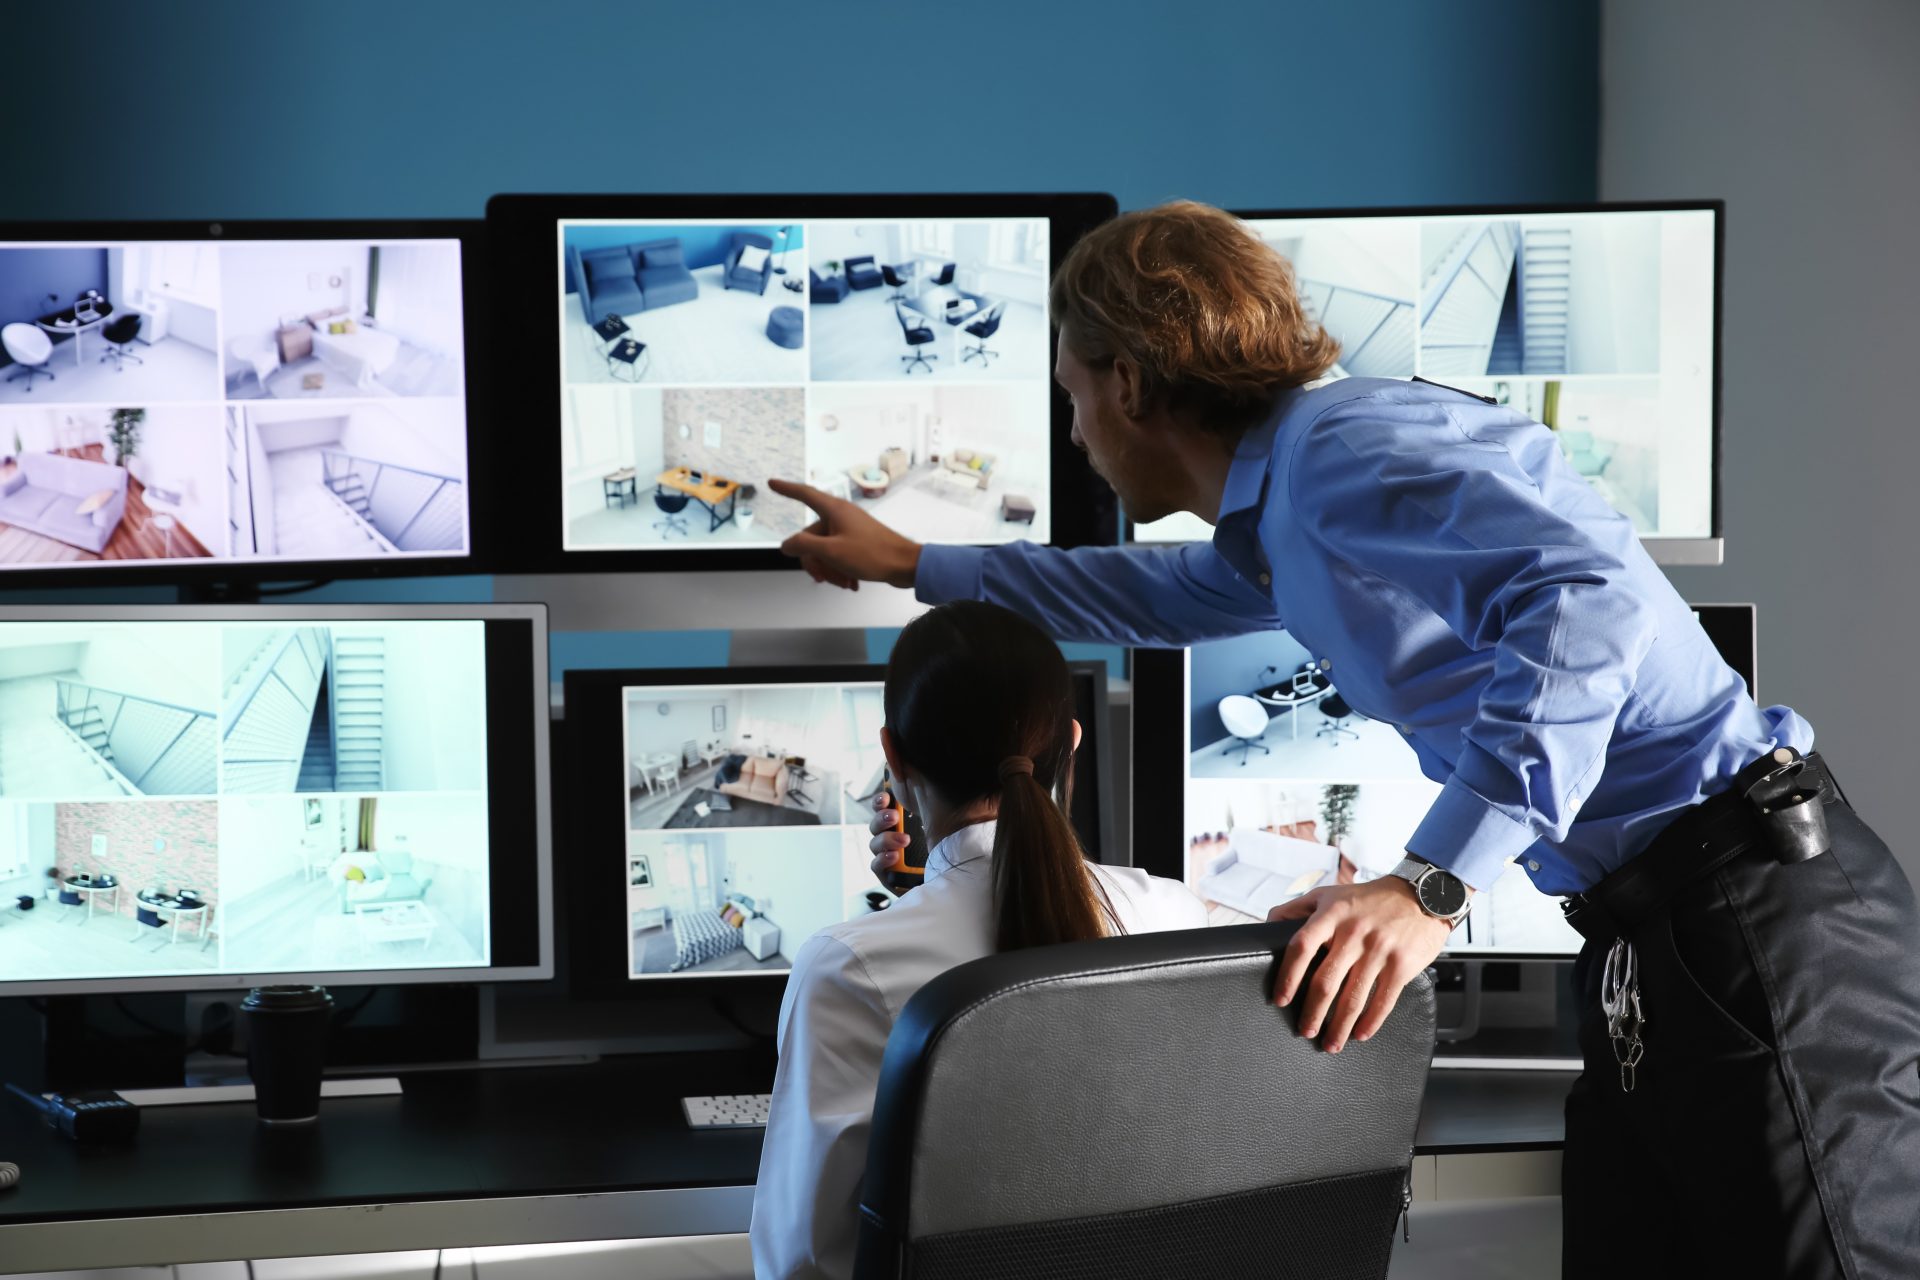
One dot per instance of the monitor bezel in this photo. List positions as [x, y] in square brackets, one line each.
[533, 614]
[1687, 550]
[597, 962]
[522, 231]
[474, 274]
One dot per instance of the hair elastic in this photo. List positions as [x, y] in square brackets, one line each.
[1015, 764]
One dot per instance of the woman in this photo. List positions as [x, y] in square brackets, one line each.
[979, 739]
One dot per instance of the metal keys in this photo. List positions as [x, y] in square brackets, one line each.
[1620, 1001]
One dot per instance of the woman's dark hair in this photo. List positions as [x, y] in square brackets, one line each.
[980, 703]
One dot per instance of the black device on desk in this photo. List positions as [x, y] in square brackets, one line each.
[92, 1115]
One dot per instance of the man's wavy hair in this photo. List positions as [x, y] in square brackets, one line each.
[1206, 310]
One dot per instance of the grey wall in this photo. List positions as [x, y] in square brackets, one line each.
[1804, 119]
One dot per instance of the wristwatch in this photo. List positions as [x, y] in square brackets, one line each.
[1440, 893]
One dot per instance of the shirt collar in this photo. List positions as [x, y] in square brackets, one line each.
[1252, 460]
[970, 844]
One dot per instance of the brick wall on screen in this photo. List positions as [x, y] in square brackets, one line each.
[762, 434]
[191, 858]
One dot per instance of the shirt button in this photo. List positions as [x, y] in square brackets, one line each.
[1532, 865]
[1266, 579]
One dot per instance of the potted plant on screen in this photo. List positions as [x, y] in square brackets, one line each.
[53, 884]
[123, 434]
[745, 515]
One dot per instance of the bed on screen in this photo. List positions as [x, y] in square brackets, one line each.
[700, 936]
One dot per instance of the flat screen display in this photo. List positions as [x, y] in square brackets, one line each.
[204, 404]
[1602, 324]
[742, 813]
[203, 802]
[903, 364]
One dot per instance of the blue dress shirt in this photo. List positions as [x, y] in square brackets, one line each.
[1457, 579]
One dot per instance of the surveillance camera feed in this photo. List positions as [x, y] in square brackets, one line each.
[1289, 789]
[246, 401]
[901, 365]
[1599, 325]
[181, 798]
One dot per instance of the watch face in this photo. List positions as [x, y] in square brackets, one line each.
[1442, 893]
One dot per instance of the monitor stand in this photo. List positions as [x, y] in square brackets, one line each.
[803, 646]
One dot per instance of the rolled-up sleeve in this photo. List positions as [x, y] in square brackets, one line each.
[1407, 493]
[832, 1035]
[1144, 597]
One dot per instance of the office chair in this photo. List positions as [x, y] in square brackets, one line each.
[672, 503]
[1247, 721]
[917, 335]
[1335, 709]
[119, 335]
[946, 274]
[1038, 1115]
[983, 328]
[896, 282]
[30, 348]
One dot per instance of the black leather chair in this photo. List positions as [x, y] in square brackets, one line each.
[119, 335]
[1335, 709]
[896, 282]
[917, 334]
[945, 275]
[861, 273]
[671, 502]
[1137, 1107]
[983, 328]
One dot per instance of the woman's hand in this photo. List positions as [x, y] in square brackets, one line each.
[887, 844]
[1377, 939]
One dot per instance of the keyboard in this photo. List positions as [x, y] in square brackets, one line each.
[728, 1111]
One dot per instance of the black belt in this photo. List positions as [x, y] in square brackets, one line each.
[1696, 844]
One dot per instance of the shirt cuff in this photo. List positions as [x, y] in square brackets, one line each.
[1469, 836]
[948, 573]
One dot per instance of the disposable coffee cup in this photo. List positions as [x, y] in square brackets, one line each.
[286, 1048]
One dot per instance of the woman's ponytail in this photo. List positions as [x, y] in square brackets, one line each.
[1041, 890]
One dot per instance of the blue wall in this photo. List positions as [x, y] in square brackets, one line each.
[369, 108]
[699, 246]
[27, 276]
[1235, 666]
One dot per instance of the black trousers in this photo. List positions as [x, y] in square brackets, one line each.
[1774, 1126]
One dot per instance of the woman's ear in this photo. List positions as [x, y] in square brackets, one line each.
[890, 749]
[1076, 735]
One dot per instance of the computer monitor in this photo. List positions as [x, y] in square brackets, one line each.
[197, 402]
[1601, 321]
[719, 817]
[675, 353]
[1253, 783]
[226, 795]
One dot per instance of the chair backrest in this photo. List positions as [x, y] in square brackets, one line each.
[989, 324]
[121, 329]
[741, 239]
[27, 343]
[908, 323]
[671, 501]
[1136, 1107]
[1244, 717]
[946, 274]
[892, 277]
[1335, 707]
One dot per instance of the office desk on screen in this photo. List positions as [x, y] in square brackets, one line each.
[497, 1157]
[709, 491]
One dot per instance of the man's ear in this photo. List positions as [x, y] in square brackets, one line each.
[1127, 388]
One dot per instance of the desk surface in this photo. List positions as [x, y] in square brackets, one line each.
[469, 1158]
[709, 490]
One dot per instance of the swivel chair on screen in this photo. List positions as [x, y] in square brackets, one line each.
[983, 328]
[896, 282]
[1247, 721]
[671, 504]
[119, 335]
[1335, 709]
[916, 336]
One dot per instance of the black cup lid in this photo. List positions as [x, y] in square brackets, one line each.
[287, 999]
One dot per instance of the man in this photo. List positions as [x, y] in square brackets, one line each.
[1752, 1105]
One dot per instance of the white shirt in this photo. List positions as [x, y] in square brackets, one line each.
[849, 982]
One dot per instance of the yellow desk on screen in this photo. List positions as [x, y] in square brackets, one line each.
[711, 492]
